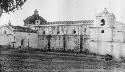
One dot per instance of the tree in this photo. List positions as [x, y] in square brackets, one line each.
[10, 5]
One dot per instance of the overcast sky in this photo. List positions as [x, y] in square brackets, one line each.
[56, 10]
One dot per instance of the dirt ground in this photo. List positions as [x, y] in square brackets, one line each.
[56, 62]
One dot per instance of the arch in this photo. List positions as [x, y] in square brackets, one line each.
[102, 31]
[74, 31]
[22, 42]
[5, 32]
[44, 32]
[102, 22]
[58, 32]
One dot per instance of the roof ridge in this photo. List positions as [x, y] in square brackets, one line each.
[71, 22]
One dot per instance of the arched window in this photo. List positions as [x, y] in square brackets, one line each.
[22, 41]
[43, 32]
[102, 22]
[4, 31]
[102, 31]
[58, 32]
[74, 31]
[37, 22]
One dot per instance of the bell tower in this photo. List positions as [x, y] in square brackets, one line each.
[105, 19]
[104, 23]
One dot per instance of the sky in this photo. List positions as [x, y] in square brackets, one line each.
[61, 10]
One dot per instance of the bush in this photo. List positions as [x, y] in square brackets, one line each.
[108, 57]
[86, 51]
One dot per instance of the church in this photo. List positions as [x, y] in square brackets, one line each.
[102, 35]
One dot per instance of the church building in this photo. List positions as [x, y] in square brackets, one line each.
[102, 35]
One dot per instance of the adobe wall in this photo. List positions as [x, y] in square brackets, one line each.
[19, 36]
[72, 42]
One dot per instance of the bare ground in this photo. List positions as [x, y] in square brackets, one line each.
[37, 61]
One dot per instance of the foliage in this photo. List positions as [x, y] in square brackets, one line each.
[11, 5]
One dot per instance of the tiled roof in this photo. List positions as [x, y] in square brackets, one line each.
[72, 22]
[23, 29]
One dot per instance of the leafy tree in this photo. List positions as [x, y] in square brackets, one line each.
[10, 5]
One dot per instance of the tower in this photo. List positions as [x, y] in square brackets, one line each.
[105, 23]
[102, 34]
[105, 19]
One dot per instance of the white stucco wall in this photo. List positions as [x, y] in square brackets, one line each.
[5, 40]
[6, 35]
[95, 34]
[33, 39]
[116, 49]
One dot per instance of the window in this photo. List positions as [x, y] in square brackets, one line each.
[102, 22]
[4, 31]
[22, 41]
[37, 22]
[58, 32]
[43, 32]
[74, 31]
[85, 29]
[102, 31]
